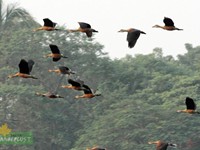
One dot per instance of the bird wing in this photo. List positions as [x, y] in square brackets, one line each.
[74, 83]
[162, 146]
[49, 23]
[63, 69]
[86, 89]
[190, 103]
[84, 25]
[54, 49]
[132, 38]
[23, 67]
[56, 59]
[168, 22]
[30, 65]
[89, 33]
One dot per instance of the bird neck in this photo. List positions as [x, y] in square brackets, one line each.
[158, 26]
[187, 111]
[123, 30]
[73, 30]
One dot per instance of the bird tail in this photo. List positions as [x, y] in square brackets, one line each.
[59, 29]
[34, 77]
[172, 145]
[64, 56]
[178, 29]
[94, 30]
[142, 32]
[72, 72]
[197, 112]
[98, 94]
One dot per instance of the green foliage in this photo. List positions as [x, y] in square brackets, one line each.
[140, 94]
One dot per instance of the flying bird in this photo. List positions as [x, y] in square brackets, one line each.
[88, 93]
[24, 69]
[63, 70]
[132, 36]
[48, 25]
[76, 85]
[190, 106]
[169, 25]
[55, 53]
[96, 148]
[85, 28]
[49, 95]
[160, 145]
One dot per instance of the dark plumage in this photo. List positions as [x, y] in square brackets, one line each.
[96, 148]
[56, 55]
[190, 106]
[88, 93]
[168, 21]
[24, 69]
[190, 103]
[132, 36]
[48, 25]
[63, 70]
[76, 85]
[160, 145]
[169, 25]
[84, 27]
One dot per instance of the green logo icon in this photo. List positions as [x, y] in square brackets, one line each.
[14, 138]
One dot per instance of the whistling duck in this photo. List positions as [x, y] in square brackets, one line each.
[48, 25]
[84, 27]
[169, 25]
[55, 53]
[49, 95]
[132, 36]
[190, 106]
[24, 69]
[63, 70]
[96, 148]
[76, 85]
[88, 93]
[160, 145]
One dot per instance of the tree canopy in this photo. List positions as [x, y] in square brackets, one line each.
[140, 94]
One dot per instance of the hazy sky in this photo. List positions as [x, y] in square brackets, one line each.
[109, 16]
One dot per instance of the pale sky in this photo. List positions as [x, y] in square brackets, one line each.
[109, 16]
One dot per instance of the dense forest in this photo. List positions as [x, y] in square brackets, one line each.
[139, 94]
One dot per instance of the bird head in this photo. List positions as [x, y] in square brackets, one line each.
[156, 26]
[123, 30]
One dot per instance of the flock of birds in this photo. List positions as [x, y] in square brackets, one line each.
[25, 68]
